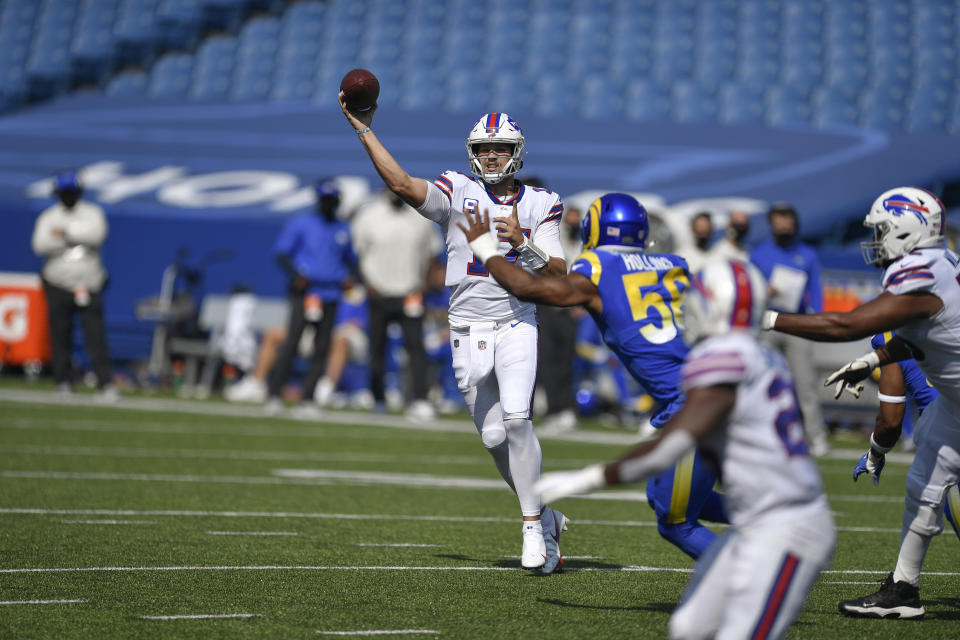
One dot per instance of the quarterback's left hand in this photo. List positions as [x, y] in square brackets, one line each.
[478, 224]
[560, 484]
[508, 228]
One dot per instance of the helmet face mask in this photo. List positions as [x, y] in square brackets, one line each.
[616, 219]
[497, 128]
[902, 219]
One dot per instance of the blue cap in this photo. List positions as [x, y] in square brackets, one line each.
[67, 181]
[326, 188]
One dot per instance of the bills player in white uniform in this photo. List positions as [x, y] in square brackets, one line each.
[921, 301]
[494, 336]
[741, 412]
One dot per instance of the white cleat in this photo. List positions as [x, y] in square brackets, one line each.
[554, 523]
[247, 390]
[420, 411]
[534, 553]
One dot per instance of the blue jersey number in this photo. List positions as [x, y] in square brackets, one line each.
[789, 424]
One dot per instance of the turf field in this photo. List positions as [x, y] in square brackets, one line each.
[121, 522]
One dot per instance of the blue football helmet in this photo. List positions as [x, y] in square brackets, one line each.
[615, 219]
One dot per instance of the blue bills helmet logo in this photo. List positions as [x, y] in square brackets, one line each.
[898, 205]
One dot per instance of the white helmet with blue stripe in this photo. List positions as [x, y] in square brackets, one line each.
[496, 128]
[726, 295]
[902, 219]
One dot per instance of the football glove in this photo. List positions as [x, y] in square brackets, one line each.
[850, 376]
[561, 484]
[872, 463]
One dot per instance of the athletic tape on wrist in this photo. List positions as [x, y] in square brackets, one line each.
[881, 449]
[485, 247]
[533, 256]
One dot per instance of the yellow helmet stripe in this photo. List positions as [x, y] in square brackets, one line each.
[594, 225]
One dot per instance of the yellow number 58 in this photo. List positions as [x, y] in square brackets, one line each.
[671, 314]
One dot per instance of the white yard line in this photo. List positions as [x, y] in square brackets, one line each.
[107, 521]
[619, 569]
[203, 616]
[847, 582]
[382, 632]
[345, 516]
[253, 533]
[230, 454]
[397, 544]
[40, 601]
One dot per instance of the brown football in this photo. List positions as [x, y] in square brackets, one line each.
[360, 89]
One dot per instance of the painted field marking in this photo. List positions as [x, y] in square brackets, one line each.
[253, 533]
[382, 632]
[348, 516]
[203, 616]
[233, 454]
[618, 569]
[846, 582]
[107, 522]
[40, 601]
[396, 544]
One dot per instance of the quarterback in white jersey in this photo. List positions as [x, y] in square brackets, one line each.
[921, 301]
[741, 413]
[493, 335]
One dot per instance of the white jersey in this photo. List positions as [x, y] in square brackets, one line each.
[935, 341]
[760, 454]
[475, 296]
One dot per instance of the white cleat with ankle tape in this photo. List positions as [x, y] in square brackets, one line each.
[534, 553]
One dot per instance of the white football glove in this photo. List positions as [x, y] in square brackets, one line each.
[561, 484]
[850, 376]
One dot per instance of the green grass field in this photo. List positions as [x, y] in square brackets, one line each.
[133, 518]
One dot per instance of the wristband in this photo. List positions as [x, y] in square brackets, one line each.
[363, 131]
[769, 320]
[874, 445]
[882, 397]
[485, 247]
[872, 359]
[533, 256]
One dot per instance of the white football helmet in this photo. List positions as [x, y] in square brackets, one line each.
[902, 219]
[496, 127]
[727, 295]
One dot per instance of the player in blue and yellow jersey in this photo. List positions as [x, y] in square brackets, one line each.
[636, 300]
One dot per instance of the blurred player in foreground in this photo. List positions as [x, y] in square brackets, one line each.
[741, 413]
[635, 299]
[921, 300]
[493, 335]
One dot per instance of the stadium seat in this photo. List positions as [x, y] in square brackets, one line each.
[420, 90]
[466, 91]
[788, 106]
[882, 109]
[835, 106]
[927, 116]
[557, 95]
[127, 83]
[693, 102]
[170, 76]
[213, 69]
[740, 104]
[647, 100]
[513, 94]
[602, 97]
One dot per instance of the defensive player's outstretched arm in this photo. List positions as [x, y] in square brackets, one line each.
[569, 291]
[705, 409]
[893, 405]
[411, 190]
[885, 312]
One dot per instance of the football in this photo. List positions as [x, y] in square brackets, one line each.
[360, 89]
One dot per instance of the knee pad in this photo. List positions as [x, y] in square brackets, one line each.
[920, 515]
[514, 423]
[493, 436]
